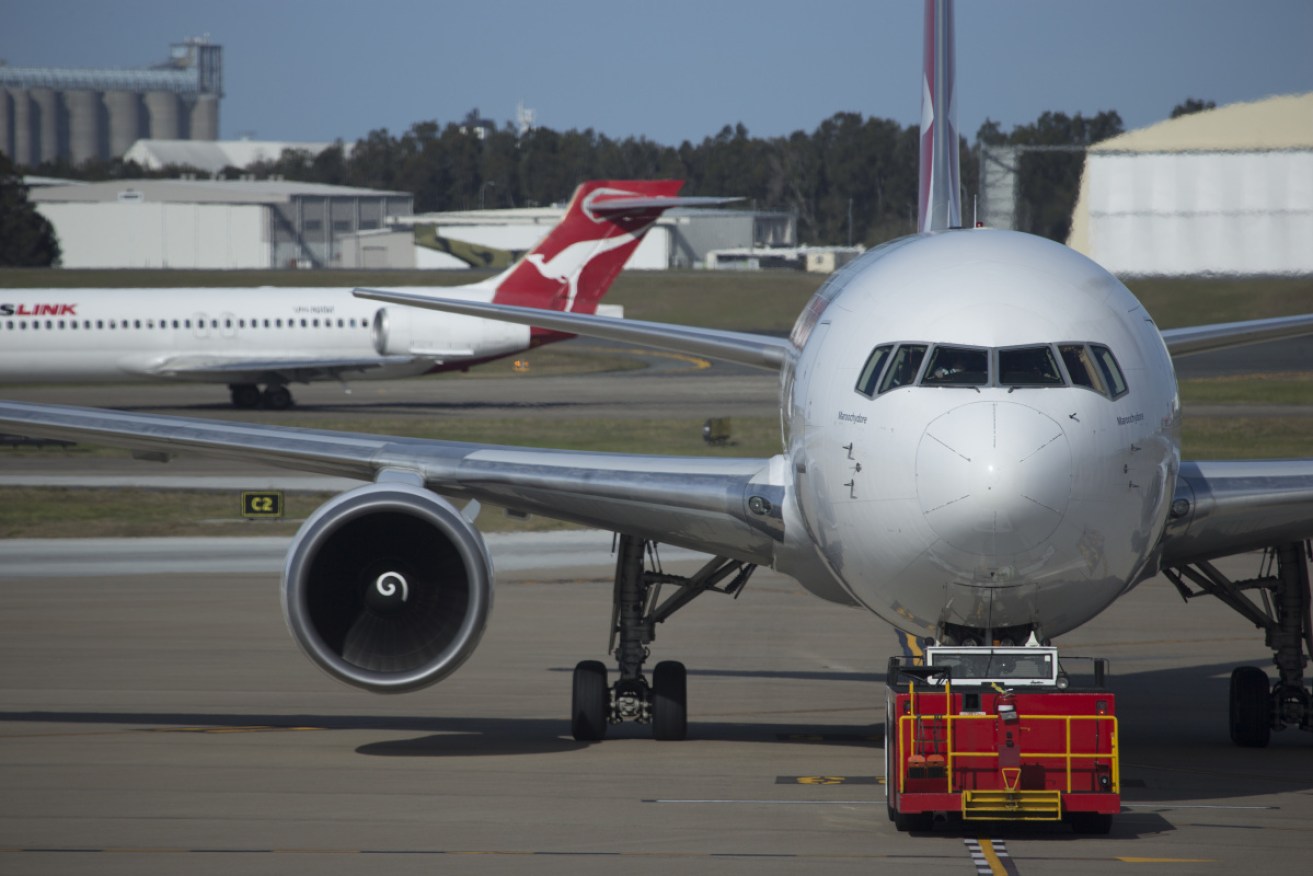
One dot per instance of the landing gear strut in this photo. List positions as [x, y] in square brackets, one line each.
[1259, 705]
[636, 610]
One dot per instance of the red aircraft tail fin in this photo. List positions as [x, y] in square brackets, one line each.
[573, 266]
[941, 188]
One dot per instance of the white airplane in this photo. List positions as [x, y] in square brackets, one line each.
[981, 442]
[246, 337]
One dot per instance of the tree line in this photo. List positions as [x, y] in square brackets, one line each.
[852, 180]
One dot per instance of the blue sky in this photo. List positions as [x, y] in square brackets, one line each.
[678, 69]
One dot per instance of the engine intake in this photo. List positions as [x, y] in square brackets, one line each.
[387, 587]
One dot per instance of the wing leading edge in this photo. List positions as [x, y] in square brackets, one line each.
[1233, 506]
[1220, 336]
[697, 503]
[758, 351]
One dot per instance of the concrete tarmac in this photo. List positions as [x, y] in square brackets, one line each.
[156, 718]
[167, 724]
[666, 383]
[108, 557]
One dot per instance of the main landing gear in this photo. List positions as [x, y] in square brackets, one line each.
[636, 610]
[1258, 704]
[276, 396]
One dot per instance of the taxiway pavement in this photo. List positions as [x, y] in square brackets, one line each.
[166, 723]
[158, 719]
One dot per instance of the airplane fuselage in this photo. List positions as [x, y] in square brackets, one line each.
[982, 432]
[206, 335]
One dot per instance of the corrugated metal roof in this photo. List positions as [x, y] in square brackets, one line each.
[202, 191]
[1284, 122]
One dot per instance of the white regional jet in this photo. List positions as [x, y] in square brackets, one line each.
[981, 443]
[275, 336]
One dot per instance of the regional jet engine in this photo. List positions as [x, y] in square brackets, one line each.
[387, 587]
[409, 331]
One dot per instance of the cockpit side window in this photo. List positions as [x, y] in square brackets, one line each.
[957, 366]
[1112, 372]
[1094, 367]
[871, 371]
[1081, 367]
[1028, 366]
[902, 370]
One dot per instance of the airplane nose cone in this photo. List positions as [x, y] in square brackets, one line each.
[993, 478]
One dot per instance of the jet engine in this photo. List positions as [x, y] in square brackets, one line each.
[409, 331]
[387, 587]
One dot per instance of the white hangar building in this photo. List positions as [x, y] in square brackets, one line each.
[213, 156]
[1225, 191]
[682, 238]
[260, 224]
[225, 224]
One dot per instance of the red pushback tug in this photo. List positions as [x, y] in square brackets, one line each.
[997, 734]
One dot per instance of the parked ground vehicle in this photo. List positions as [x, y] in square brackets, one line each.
[999, 734]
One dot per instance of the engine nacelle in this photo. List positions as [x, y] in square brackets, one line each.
[410, 331]
[387, 587]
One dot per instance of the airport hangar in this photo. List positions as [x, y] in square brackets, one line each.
[263, 224]
[216, 224]
[1227, 191]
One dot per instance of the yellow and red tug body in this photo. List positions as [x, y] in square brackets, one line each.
[999, 734]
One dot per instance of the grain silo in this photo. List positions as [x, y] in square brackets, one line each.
[49, 114]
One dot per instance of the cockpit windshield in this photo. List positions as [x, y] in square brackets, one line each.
[904, 367]
[1029, 366]
[957, 366]
[1089, 366]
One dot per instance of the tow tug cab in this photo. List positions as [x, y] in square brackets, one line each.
[999, 734]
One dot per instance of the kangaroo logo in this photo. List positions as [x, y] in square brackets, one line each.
[569, 263]
[571, 268]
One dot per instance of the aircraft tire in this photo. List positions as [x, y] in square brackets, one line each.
[245, 395]
[669, 701]
[1251, 707]
[589, 702]
[277, 397]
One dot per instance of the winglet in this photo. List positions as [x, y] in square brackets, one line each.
[940, 202]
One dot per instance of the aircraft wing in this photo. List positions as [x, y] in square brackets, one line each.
[758, 351]
[692, 502]
[1229, 507]
[257, 370]
[1233, 506]
[1219, 336]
